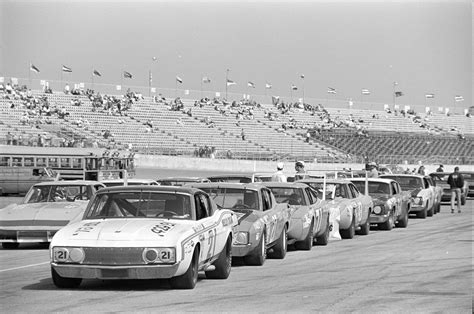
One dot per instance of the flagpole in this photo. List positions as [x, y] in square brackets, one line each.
[29, 74]
[92, 77]
[303, 87]
[201, 84]
[226, 81]
[149, 83]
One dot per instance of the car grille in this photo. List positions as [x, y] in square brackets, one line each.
[113, 256]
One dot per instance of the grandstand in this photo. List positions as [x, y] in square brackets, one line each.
[271, 131]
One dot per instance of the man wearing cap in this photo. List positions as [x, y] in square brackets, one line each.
[440, 169]
[278, 176]
[456, 182]
[372, 170]
[300, 172]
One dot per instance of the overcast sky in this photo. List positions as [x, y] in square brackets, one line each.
[425, 46]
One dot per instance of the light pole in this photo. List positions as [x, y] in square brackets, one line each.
[226, 82]
[150, 75]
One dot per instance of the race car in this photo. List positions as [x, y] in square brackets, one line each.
[180, 181]
[391, 204]
[355, 208]
[145, 232]
[46, 208]
[309, 220]
[263, 222]
[423, 195]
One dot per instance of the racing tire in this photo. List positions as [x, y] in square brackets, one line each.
[463, 200]
[388, 224]
[189, 279]
[223, 264]
[365, 228]
[430, 212]
[307, 243]
[324, 238]
[10, 245]
[259, 254]
[402, 223]
[422, 214]
[63, 282]
[349, 232]
[280, 248]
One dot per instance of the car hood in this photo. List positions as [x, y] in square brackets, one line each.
[56, 214]
[159, 231]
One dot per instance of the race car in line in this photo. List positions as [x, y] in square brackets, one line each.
[342, 195]
[131, 181]
[46, 208]
[391, 204]
[145, 232]
[263, 222]
[309, 221]
[424, 200]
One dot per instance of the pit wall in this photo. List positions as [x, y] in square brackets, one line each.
[237, 165]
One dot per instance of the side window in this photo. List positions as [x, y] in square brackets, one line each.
[311, 198]
[202, 206]
[354, 191]
[426, 183]
[267, 200]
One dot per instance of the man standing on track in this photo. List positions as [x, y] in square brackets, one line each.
[456, 182]
[278, 176]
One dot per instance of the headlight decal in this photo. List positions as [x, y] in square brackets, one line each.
[241, 238]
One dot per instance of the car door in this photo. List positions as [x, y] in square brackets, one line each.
[273, 217]
[358, 201]
[431, 192]
[208, 239]
[395, 194]
[315, 210]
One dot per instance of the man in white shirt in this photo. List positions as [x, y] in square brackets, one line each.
[278, 176]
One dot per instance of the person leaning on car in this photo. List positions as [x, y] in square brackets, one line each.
[456, 182]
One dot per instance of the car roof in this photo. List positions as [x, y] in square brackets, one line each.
[190, 179]
[150, 188]
[129, 180]
[402, 175]
[328, 181]
[68, 182]
[285, 184]
[255, 186]
[382, 180]
[234, 175]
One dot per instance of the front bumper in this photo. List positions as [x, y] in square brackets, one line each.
[377, 219]
[116, 272]
[27, 236]
[242, 250]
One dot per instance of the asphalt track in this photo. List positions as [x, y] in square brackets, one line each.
[426, 267]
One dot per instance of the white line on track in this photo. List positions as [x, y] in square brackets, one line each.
[26, 266]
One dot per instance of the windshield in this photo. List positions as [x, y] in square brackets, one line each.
[291, 196]
[407, 183]
[318, 187]
[231, 179]
[141, 205]
[58, 193]
[374, 187]
[234, 198]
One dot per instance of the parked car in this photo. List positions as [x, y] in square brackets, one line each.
[391, 204]
[145, 232]
[309, 220]
[134, 181]
[440, 179]
[263, 222]
[354, 207]
[422, 193]
[46, 208]
[180, 181]
[469, 177]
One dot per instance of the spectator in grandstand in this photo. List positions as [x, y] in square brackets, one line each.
[9, 138]
[300, 171]
[456, 182]
[440, 168]
[421, 170]
[67, 89]
[278, 176]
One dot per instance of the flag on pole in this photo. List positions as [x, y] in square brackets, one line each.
[293, 87]
[331, 90]
[150, 77]
[268, 85]
[458, 98]
[230, 82]
[365, 91]
[250, 84]
[66, 69]
[127, 75]
[302, 76]
[429, 95]
[96, 73]
[275, 100]
[179, 80]
[205, 79]
[395, 83]
[398, 94]
[33, 68]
